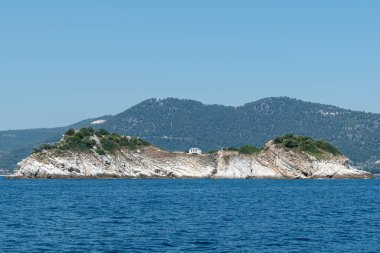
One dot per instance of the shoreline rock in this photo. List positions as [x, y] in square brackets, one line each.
[273, 162]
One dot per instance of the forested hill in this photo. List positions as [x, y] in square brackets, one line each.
[177, 124]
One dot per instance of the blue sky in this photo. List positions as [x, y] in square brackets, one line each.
[64, 61]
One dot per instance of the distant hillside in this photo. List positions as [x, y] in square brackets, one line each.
[177, 124]
[18, 144]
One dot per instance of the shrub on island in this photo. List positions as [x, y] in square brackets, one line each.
[306, 144]
[87, 139]
[248, 150]
[245, 150]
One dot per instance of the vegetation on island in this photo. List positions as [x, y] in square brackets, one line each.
[103, 142]
[245, 150]
[306, 144]
[316, 148]
[88, 139]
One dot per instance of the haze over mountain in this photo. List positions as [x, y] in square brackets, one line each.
[177, 124]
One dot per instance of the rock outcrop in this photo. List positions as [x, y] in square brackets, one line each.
[273, 162]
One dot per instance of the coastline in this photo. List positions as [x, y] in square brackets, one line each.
[108, 177]
[131, 157]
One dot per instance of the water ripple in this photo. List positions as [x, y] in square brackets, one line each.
[189, 216]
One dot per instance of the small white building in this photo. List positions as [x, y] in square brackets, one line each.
[195, 151]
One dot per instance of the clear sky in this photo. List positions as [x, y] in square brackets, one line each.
[63, 61]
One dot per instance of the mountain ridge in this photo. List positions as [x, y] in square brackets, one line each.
[177, 124]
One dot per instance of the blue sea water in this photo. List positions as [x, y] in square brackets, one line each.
[189, 215]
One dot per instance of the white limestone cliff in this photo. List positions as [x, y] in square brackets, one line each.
[149, 162]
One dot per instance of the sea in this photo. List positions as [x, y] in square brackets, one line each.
[166, 215]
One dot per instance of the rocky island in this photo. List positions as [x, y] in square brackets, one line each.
[87, 153]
